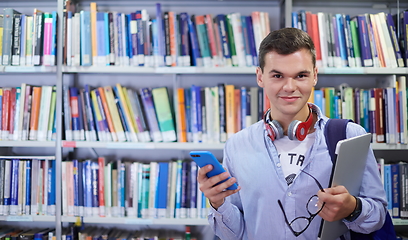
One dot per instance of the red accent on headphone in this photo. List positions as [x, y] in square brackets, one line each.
[300, 131]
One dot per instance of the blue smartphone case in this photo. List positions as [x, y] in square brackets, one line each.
[203, 158]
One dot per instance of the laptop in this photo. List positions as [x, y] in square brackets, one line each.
[349, 169]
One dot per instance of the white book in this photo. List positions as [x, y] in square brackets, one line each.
[377, 24]
[7, 183]
[108, 189]
[76, 40]
[18, 131]
[171, 186]
[388, 41]
[154, 170]
[216, 114]
[64, 189]
[69, 39]
[35, 166]
[208, 136]
[14, 136]
[403, 106]
[44, 115]
[238, 38]
[134, 190]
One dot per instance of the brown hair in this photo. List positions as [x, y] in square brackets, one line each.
[286, 41]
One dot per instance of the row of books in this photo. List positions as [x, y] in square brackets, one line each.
[365, 40]
[28, 113]
[118, 114]
[27, 185]
[120, 234]
[204, 114]
[97, 188]
[10, 233]
[394, 177]
[28, 39]
[169, 39]
[381, 111]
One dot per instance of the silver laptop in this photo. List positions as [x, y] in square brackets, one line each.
[349, 170]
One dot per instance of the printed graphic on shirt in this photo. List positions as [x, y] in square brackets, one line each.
[292, 155]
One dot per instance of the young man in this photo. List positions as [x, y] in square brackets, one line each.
[278, 172]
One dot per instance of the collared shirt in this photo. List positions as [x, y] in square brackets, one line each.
[253, 213]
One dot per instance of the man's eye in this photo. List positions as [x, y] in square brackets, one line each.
[302, 76]
[277, 76]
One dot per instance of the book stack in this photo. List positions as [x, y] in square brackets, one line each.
[28, 113]
[118, 114]
[28, 39]
[95, 38]
[381, 111]
[365, 40]
[27, 185]
[97, 188]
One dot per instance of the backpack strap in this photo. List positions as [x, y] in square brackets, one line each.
[335, 131]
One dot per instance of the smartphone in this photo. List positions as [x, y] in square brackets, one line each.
[203, 158]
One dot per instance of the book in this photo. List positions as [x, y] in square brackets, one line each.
[147, 100]
[164, 114]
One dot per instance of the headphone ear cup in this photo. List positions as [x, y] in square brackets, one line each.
[292, 129]
[277, 129]
[301, 131]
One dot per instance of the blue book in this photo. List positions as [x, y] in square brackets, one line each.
[295, 20]
[318, 99]
[155, 43]
[22, 43]
[251, 41]
[126, 44]
[121, 188]
[147, 101]
[81, 187]
[245, 33]
[140, 38]
[76, 186]
[393, 34]
[122, 117]
[364, 118]
[226, 48]
[101, 38]
[131, 46]
[192, 184]
[195, 48]
[349, 41]
[395, 190]
[179, 188]
[90, 114]
[243, 107]
[86, 43]
[388, 186]
[73, 99]
[160, 36]
[94, 188]
[187, 102]
[51, 187]
[196, 113]
[161, 192]
[133, 38]
[28, 187]
[341, 40]
[367, 58]
[54, 37]
[184, 39]
[103, 115]
[120, 54]
[14, 187]
[87, 179]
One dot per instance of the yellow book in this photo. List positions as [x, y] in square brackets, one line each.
[127, 101]
[181, 116]
[93, 32]
[1, 36]
[117, 124]
[126, 112]
[230, 111]
[311, 97]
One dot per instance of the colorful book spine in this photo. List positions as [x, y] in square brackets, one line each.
[151, 117]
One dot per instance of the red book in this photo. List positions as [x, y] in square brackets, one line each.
[316, 38]
[12, 112]
[379, 115]
[5, 113]
[101, 186]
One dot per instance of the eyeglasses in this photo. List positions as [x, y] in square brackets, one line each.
[300, 224]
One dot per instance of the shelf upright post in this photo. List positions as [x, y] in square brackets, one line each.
[58, 147]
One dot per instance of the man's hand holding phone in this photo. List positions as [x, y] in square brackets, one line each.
[214, 181]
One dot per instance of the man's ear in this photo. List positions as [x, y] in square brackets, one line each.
[259, 77]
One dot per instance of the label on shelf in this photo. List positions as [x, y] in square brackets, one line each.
[69, 144]
[19, 218]
[138, 221]
[127, 145]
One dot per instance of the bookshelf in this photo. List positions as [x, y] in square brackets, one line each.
[171, 77]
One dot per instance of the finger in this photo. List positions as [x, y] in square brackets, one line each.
[218, 178]
[336, 190]
[202, 172]
[218, 196]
